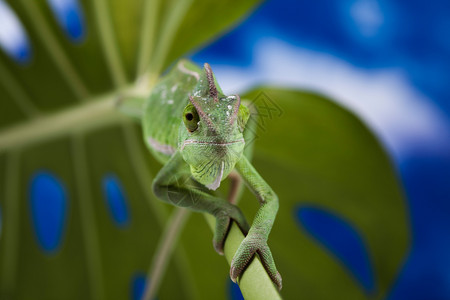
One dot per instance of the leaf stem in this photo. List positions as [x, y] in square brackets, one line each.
[255, 283]
[109, 42]
[164, 251]
[95, 113]
[89, 227]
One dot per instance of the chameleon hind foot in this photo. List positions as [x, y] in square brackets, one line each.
[251, 245]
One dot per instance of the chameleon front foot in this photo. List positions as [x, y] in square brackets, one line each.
[223, 222]
[251, 245]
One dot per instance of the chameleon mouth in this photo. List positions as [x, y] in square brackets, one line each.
[189, 142]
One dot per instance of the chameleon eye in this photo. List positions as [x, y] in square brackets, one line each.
[190, 118]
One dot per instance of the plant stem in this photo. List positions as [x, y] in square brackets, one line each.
[255, 283]
[164, 251]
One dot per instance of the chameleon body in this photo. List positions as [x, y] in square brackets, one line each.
[196, 132]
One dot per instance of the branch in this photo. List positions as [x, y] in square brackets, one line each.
[254, 283]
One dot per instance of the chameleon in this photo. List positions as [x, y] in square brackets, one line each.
[197, 133]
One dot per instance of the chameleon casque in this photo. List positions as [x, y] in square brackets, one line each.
[197, 133]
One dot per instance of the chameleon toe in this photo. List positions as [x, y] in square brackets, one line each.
[222, 228]
[269, 264]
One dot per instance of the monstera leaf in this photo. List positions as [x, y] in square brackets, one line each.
[342, 230]
[77, 216]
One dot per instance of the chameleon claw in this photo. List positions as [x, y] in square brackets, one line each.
[278, 281]
[222, 228]
[232, 275]
[269, 264]
[218, 248]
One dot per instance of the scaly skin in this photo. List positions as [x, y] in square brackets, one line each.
[197, 133]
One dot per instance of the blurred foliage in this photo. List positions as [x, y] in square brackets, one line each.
[317, 153]
[312, 152]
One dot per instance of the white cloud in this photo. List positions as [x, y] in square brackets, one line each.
[401, 116]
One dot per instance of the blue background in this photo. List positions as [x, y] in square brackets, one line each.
[410, 36]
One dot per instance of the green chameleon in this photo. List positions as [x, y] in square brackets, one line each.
[197, 133]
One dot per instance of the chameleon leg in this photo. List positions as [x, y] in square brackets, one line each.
[250, 129]
[256, 240]
[174, 185]
[249, 135]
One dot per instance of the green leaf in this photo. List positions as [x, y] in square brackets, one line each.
[317, 153]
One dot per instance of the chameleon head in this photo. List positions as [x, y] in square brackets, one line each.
[211, 135]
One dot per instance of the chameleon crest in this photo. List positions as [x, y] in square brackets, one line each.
[211, 139]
